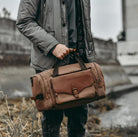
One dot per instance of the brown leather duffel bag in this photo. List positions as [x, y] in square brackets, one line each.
[68, 86]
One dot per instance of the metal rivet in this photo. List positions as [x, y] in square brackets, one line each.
[56, 94]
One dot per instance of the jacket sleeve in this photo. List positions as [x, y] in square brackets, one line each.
[28, 26]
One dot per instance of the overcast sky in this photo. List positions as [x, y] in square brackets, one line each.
[105, 15]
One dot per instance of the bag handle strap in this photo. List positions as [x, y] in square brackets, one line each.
[78, 59]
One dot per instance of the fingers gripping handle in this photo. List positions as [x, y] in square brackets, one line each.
[78, 59]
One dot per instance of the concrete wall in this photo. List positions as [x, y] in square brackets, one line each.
[128, 53]
[106, 51]
[128, 50]
[15, 49]
[11, 41]
[131, 20]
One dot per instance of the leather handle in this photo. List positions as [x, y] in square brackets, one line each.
[78, 59]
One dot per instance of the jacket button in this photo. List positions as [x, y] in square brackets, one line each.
[64, 24]
[63, 1]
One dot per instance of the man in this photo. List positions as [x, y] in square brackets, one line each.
[56, 27]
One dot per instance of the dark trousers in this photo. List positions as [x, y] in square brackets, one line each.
[77, 118]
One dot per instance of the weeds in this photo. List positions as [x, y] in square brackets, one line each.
[20, 118]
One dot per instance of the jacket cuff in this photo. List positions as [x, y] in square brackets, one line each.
[51, 47]
[51, 51]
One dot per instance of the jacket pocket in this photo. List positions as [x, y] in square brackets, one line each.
[76, 86]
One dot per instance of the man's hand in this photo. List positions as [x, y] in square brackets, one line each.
[61, 51]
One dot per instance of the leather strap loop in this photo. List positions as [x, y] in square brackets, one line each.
[78, 59]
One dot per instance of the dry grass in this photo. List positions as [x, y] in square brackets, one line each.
[20, 118]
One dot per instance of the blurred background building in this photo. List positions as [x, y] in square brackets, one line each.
[115, 30]
[128, 38]
[14, 47]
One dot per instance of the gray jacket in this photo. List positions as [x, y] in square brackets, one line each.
[44, 23]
